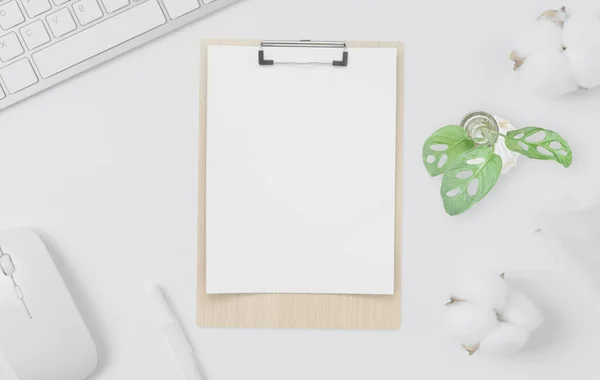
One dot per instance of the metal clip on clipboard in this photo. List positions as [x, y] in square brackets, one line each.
[303, 44]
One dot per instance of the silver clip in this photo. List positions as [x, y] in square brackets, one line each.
[303, 44]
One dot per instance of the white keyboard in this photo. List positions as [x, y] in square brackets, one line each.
[43, 42]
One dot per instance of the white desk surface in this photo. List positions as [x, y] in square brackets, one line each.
[104, 166]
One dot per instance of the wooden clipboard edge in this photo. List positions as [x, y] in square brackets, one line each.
[318, 311]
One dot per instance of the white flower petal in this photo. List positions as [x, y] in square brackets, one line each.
[505, 339]
[468, 322]
[545, 36]
[485, 289]
[586, 65]
[509, 158]
[521, 312]
[548, 74]
[581, 30]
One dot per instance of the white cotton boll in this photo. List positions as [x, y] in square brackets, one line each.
[521, 312]
[548, 74]
[468, 322]
[504, 340]
[586, 65]
[545, 36]
[485, 289]
[581, 30]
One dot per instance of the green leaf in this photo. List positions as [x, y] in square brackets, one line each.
[443, 147]
[540, 144]
[473, 176]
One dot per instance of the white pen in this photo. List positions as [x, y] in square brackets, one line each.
[180, 346]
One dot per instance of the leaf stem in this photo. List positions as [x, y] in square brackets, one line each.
[484, 135]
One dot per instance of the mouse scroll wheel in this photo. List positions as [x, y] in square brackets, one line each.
[7, 265]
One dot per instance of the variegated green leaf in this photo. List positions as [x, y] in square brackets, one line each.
[471, 178]
[443, 147]
[540, 144]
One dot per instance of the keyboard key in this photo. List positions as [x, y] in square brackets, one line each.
[35, 7]
[10, 15]
[18, 75]
[87, 11]
[113, 5]
[61, 22]
[178, 8]
[35, 34]
[59, 2]
[99, 38]
[10, 47]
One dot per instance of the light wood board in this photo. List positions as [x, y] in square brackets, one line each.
[336, 311]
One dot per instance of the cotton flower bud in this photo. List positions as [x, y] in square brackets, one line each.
[560, 54]
[486, 316]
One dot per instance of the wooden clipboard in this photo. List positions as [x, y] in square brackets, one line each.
[315, 311]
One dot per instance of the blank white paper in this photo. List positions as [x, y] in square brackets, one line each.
[300, 173]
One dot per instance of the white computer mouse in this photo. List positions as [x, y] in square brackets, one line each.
[42, 334]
